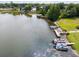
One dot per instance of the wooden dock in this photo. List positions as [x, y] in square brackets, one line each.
[61, 35]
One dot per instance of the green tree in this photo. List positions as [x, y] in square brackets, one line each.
[13, 5]
[42, 11]
[77, 9]
[54, 12]
[1, 5]
[61, 5]
[69, 11]
[38, 6]
[28, 8]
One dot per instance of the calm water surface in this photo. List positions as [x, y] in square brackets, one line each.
[24, 36]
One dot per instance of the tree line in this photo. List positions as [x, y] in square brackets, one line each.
[60, 10]
[52, 11]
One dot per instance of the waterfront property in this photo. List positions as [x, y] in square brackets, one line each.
[27, 36]
[71, 25]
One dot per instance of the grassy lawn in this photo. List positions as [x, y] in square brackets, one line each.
[74, 37]
[14, 12]
[69, 25]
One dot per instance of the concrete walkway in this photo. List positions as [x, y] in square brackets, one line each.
[73, 31]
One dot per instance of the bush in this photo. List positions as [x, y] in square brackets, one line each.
[77, 27]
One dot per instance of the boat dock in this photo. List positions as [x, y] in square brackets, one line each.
[61, 35]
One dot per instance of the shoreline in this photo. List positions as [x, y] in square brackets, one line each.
[74, 51]
[61, 30]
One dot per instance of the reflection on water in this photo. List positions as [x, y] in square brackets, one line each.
[24, 36]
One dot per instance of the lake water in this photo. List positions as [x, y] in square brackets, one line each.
[24, 36]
